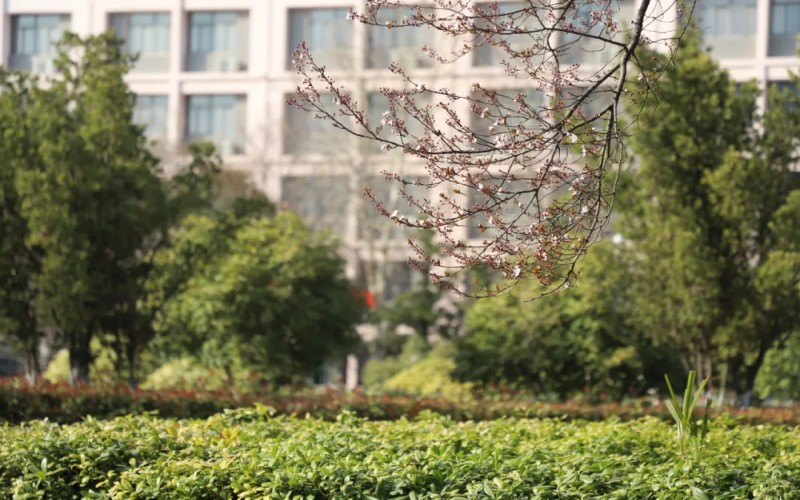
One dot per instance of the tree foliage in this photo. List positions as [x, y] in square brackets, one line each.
[710, 218]
[706, 269]
[84, 204]
[578, 340]
[88, 192]
[780, 375]
[246, 287]
[19, 261]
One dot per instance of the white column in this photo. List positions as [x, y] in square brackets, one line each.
[5, 33]
[762, 47]
[177, 51]
[80, 18]
[351, 372]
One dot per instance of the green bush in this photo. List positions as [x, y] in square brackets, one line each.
[250, 454]
[101, 370]
[189, 373]
[780, 375]
[431, 376]
[379, 370]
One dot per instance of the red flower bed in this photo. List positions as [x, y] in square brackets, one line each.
[64, 403]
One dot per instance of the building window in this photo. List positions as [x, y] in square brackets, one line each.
[397, 278]
[218, 41]
[784, 28]
[321, 200]
[150, 111]
[145, 34]
[304, 134]
[729, 28]
[328, 34]
[219, 119]
[401, 45]
[33, 38]
[587, 19]
[783, 86]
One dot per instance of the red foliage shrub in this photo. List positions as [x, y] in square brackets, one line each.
[63, 403]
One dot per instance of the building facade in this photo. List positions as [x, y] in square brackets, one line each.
[221, 71]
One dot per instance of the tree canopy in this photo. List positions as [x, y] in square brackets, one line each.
[86, 186]
[583, 339]
[709, 215]
[84, 206]
[254, 289]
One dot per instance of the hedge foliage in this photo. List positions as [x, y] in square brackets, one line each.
[248, 453]
[64, 404]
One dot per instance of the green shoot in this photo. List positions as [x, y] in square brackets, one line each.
[691, 437]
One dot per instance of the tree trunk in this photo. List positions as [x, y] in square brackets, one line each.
[734, 374]
[231, 382]
[33, 369]
[698, 363]
[751, 372]
[723, 384]
[131, 351]
[119, 355]
[80, 358]
[709, 372]
[685, 358]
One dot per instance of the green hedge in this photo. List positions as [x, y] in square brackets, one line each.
[248, 454]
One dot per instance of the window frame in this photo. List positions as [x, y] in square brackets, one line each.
[215, 128]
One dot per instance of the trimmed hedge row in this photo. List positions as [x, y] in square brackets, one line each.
[64, 404]
[249, 454]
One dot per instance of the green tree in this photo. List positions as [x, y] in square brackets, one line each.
[19, 261]
[389, 354]
[94, 196]
[265, 292]
[616, 355]
[707, 215]
[84, 205]
[511, 341]
[578, 340]
[129, 326]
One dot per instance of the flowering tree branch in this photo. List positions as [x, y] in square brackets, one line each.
[520, 181]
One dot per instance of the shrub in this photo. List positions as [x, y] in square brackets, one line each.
[378, 371]
[62, 403]
[188, 373]
[101, 370]
[431, 376]
[250, 453]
